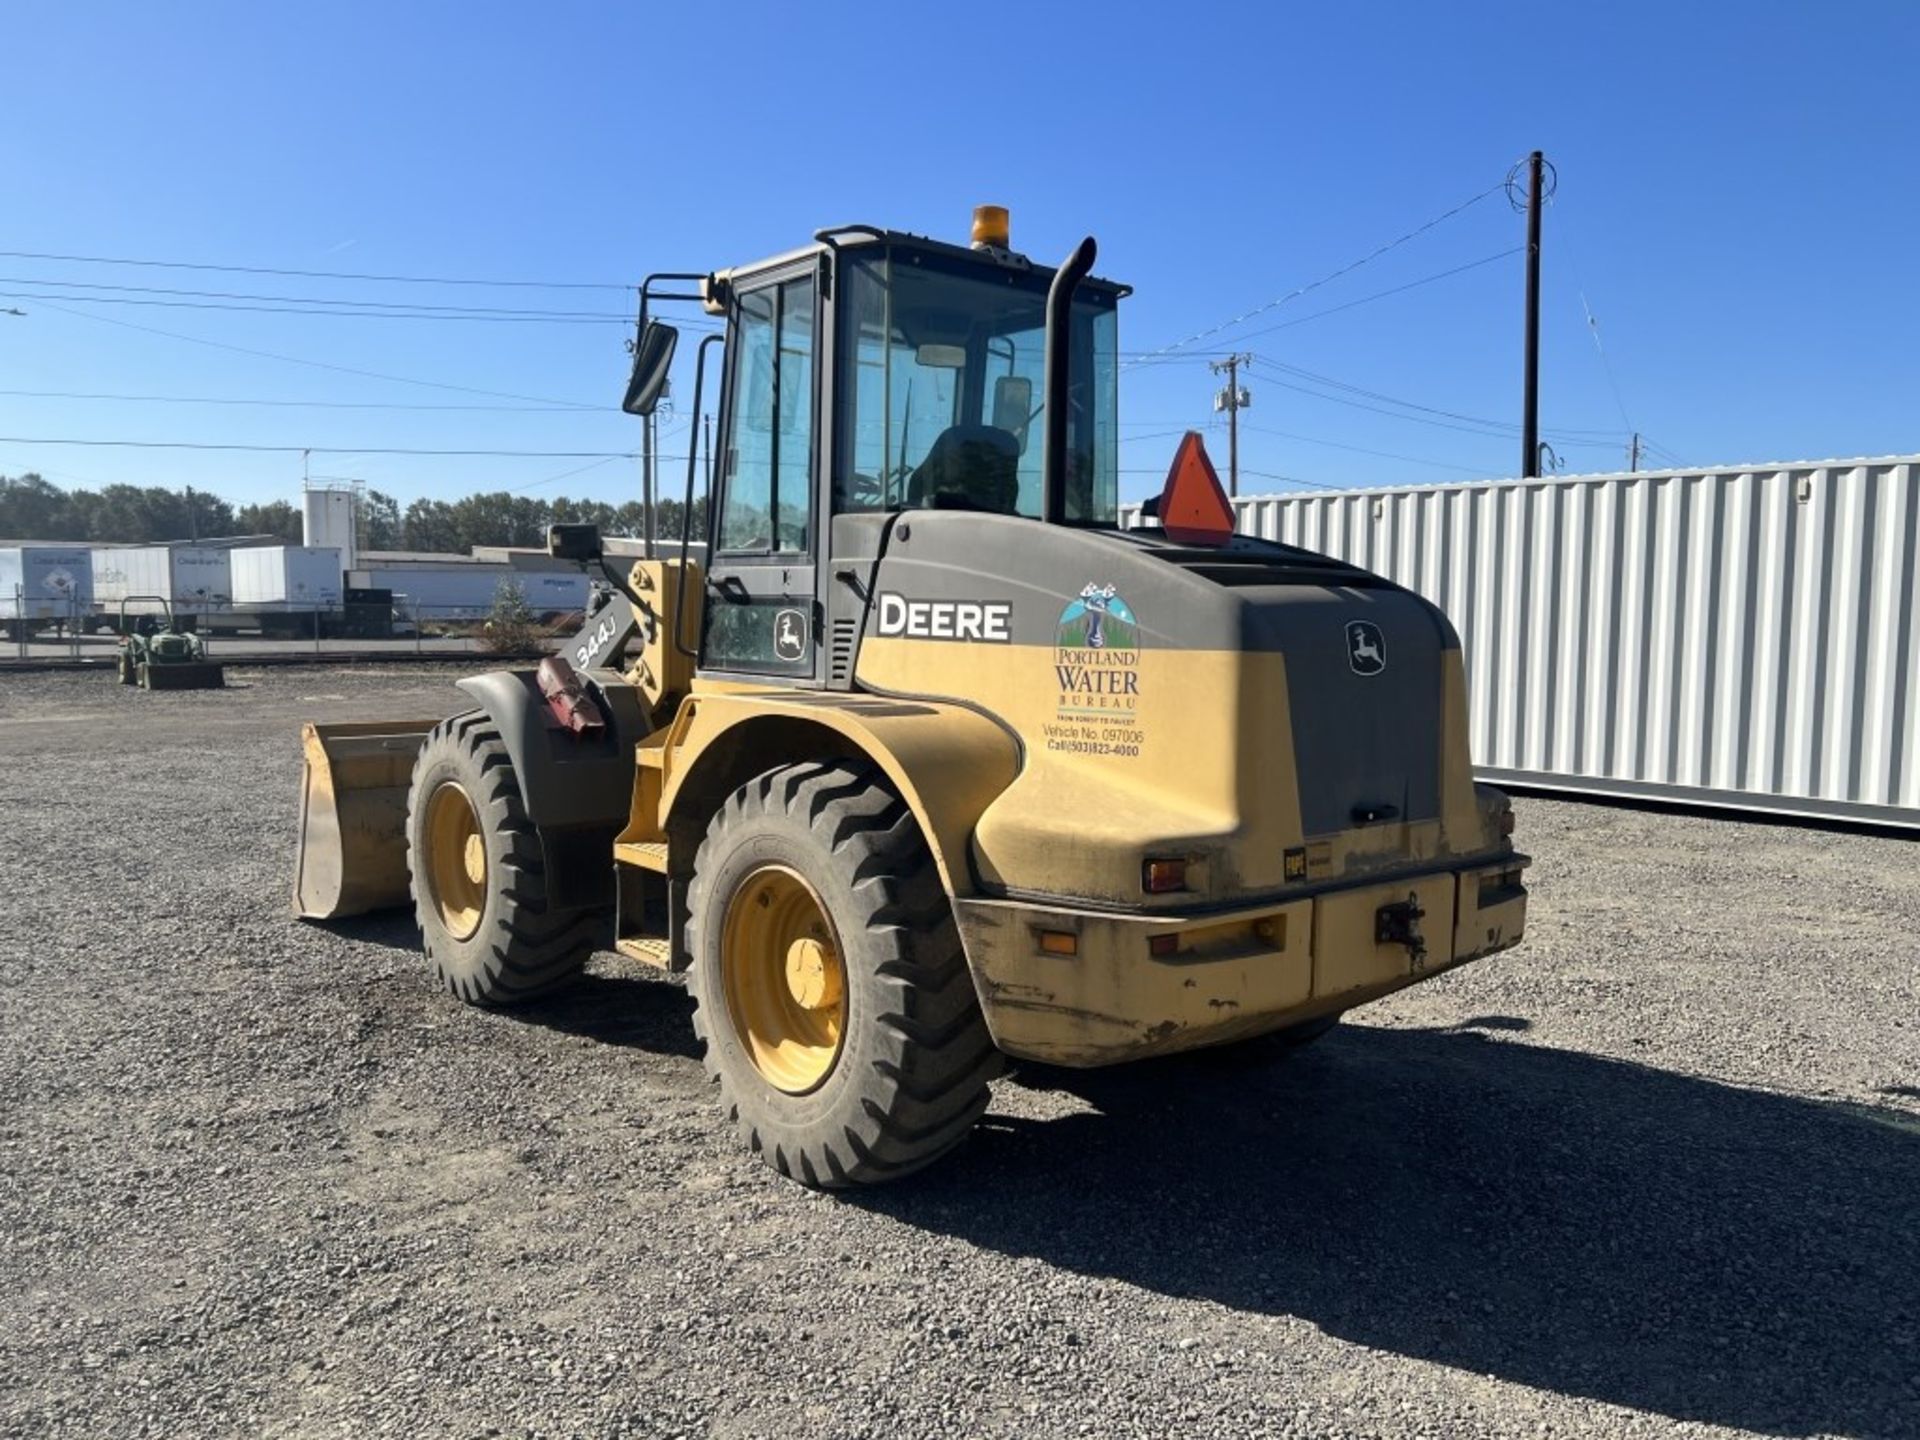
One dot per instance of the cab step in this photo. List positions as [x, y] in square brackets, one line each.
[646, 854]
[655, 950]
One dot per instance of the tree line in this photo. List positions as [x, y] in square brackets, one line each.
[33, 508]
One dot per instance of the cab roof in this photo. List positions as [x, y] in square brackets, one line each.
[859, 236]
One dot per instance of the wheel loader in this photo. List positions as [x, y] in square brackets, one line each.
[933, 765]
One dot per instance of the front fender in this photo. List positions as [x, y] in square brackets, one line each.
[575, 788]
[946, 761]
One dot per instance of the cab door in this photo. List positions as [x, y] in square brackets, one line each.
[762, 616]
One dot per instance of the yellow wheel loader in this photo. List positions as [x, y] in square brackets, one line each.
[933, 764]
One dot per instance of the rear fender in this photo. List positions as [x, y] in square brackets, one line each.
[576, 788]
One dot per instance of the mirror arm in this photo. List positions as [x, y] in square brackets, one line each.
[618, 581]
[686, 507]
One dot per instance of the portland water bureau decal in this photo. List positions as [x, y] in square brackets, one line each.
[1096, 673]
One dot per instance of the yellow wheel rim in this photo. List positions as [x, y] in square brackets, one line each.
[785, 981]
[456, 860]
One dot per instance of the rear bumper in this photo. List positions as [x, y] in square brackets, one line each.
[1233, 974]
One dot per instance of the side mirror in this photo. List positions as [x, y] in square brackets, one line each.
[652, 356]
[574, 542]
[1013, 407]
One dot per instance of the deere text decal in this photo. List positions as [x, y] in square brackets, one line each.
[990, 621]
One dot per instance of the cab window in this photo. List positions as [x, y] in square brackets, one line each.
[769, 442]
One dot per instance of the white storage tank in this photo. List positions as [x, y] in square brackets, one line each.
[327, 520]
[195, 578]
[287, 577]
[45, 582]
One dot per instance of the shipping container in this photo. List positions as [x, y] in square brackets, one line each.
[195, 578]
[1744, 637]
[286, 578]
[467, 591]
[44, 583]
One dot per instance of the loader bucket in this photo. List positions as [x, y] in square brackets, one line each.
[183, 675]
[353, 817]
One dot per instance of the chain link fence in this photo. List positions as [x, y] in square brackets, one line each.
[43, 631]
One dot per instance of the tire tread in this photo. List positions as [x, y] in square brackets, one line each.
[928, 1077]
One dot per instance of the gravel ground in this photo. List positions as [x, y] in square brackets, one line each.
[1654, 1172]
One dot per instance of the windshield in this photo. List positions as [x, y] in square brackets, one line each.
[945, 403]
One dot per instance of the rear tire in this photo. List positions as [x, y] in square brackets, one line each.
[884, 1066]
[478, 875]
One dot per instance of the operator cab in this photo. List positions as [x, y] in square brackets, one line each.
[870, 374]
[942, 391]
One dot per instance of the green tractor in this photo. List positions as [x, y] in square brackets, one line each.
[157, 656]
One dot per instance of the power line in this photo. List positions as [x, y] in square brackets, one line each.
[1505, 426]
[1296, 480]
[326, 449]
[322, 364]
[1593, 329]
[291, 404]
[569, 474]
[1383, 294]
[320, 274]
[1363, 450]
[1157, 434]
[491, 311]
[1331, 276]
[296, 310]
[1263, 474]
[1350, 304]
[1470, 424]
[1662, 450]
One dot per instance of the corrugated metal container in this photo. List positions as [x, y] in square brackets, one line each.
[193, 577]
[286, 577]
[1744, 637]
[45, 582]
[466, 591]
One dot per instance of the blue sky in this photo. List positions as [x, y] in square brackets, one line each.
[1735, 205]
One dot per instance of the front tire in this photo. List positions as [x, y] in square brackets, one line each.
[478, 875]
[831, 991]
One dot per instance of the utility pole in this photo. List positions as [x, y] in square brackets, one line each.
[1233, 399]
[1530, 401]
[193, 518]
[1633, 454]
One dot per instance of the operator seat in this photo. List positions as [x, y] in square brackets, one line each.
[969, 467]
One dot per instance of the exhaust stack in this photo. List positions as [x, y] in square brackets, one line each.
[1058, 349]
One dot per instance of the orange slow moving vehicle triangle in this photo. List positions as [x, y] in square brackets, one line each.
[1194, 509]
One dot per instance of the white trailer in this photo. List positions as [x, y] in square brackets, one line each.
[195, 579]
[41, 584]
[466, 591]
[287, 578]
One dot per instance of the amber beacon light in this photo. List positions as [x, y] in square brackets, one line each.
[991, 226]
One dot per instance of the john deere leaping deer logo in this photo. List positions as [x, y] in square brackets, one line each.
[1096, 657]
[790, 636]
[1366, 647]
